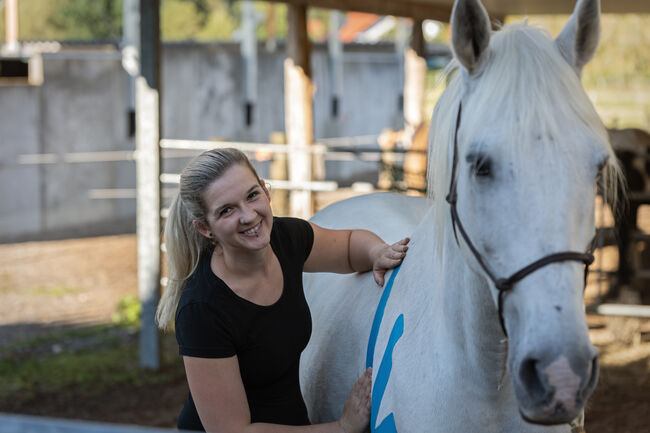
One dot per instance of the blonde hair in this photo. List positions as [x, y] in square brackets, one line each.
[184, 244]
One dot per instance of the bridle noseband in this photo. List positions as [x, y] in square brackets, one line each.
[503, 285]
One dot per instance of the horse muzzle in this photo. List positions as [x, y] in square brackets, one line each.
[555, 391]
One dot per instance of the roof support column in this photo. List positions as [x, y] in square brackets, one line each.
[415, 73]
[147, 100]
[248, 49]
[11, 27]
[298, 109]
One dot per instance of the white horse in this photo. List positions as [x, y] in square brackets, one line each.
[455, 345]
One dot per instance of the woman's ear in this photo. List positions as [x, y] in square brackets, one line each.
[202, 228]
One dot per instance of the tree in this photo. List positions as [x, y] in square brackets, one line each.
[88, 19]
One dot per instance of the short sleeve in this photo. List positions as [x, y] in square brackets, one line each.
[200, 332]
[300, 234]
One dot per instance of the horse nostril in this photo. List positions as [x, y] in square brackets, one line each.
[592, 379]
[530, 378]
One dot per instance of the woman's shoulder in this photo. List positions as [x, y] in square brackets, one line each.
[197, 286]
[289, 224]
[289, 228]
[293, 235]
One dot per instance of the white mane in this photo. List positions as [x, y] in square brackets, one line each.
[527, 85]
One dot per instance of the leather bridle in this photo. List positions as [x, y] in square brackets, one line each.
[503, 285]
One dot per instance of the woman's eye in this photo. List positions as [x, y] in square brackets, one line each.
[225, 211]
[253, 194]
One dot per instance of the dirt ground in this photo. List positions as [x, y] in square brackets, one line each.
[47, 286]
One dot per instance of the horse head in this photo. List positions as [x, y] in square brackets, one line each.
[520, 167]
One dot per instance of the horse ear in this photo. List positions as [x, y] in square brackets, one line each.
[470, 33]
[579, 39]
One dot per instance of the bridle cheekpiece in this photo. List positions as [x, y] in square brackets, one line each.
[503, 285]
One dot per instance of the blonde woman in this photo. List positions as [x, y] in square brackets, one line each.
[235, 299]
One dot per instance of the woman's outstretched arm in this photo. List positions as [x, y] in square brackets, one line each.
[346, 251]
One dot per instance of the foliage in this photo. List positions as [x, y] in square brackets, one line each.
[89, 19]
[618, 78]
[128, 312]
[622, 58]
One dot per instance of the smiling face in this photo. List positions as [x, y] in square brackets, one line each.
[238, 211]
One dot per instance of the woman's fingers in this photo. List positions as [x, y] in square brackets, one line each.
[390, 257]
[356, 412]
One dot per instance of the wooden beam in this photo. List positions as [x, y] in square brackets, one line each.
[441, 9]
[417, 40]
[413, 9]
[147, 178]
[298, 102]
[298, 46]
[498, 8]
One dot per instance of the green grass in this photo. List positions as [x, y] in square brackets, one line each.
[87, 360]
[128, 312]
[54, 291]
[90, 371]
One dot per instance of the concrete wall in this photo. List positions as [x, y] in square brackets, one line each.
[82, 107]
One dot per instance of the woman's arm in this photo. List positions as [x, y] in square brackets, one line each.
[220, 400]
[346, 251]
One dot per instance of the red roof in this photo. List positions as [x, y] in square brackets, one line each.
[355, 23]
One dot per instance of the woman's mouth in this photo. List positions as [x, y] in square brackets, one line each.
[254, 231]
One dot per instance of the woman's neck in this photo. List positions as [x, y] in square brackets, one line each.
[244, 264]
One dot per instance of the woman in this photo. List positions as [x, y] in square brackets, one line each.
[234, 295]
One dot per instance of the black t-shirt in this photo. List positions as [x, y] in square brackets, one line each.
[213, 322]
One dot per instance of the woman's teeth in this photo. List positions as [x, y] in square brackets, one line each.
[252, 231]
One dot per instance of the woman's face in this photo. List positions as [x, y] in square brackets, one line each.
[238, 211]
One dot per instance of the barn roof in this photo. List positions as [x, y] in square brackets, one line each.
[441, 9]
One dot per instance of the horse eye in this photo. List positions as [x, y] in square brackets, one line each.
[481, 166]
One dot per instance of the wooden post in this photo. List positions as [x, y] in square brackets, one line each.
[278, 171]
[11, 26]
[148, 179]
[415, 72]
[298, 99]
[415, 133]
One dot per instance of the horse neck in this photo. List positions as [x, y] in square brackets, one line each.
[464, 312]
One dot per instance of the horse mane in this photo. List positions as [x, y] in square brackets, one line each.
[526, 71]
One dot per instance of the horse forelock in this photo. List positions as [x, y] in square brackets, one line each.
[527, 86]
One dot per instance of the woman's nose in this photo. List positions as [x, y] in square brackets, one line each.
[247, 214]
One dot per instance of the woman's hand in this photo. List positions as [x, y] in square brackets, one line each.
[388, 257]
[356, 412]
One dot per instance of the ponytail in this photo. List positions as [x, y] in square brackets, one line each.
[183, 244]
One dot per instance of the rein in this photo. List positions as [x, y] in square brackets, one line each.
[503, 285]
